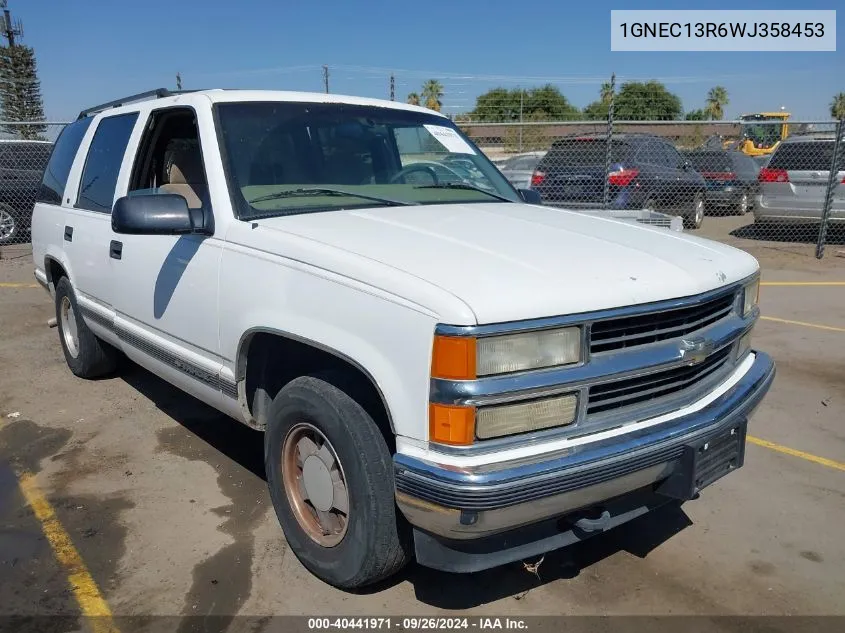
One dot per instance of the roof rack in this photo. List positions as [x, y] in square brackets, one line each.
[158, 93]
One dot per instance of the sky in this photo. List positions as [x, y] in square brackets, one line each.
[95, 51]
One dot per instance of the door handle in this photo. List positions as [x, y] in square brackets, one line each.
[116, 249]
[68, 234]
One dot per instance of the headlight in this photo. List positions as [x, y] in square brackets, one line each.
[750, 296]
[524, 417]
[467, 358]
[528, 350]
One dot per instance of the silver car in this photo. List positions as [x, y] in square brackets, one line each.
[793, 185]
[519, 169]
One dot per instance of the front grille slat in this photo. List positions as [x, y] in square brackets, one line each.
[669, 331]
[642, 389]
[624, 332]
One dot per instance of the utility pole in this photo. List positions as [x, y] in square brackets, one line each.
[326, 78]
[521, 94]
[178, 81]
[9, 28]
[392, 87]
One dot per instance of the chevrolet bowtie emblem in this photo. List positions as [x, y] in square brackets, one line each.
[696, 350]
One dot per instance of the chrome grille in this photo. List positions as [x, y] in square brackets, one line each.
[643, 389]
[642, 329]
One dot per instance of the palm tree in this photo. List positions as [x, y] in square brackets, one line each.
[837, 106]
[717, 99]
[432, 92]
[606, 93]
[413, 98]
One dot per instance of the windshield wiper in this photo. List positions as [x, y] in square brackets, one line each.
[463, 185]
[322, 191]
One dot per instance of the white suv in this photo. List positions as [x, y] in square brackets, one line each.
[443, 368]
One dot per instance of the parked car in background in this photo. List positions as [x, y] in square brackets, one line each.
[731, 179]
[21, 167]
[518, 169]
[793, 185]
[646, 172]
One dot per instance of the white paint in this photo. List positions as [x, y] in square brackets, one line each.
[449, 139]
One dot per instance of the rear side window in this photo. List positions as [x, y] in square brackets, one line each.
[58, 167]
[803, 156]
[99, 178]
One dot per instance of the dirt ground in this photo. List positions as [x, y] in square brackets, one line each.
[166, 503]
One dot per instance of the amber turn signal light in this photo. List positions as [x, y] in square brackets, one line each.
[451, 425]
[453, 358]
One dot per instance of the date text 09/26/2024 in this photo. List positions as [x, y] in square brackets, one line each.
[416, 623]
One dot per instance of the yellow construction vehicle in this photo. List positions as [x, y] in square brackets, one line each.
[762, 132]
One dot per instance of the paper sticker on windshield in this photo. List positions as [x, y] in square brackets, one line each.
[450, 139]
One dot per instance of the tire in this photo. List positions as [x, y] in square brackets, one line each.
[9, 226]
[373, 542]
[695, 216]
[743, 204]
[86, 355]
[650, 204]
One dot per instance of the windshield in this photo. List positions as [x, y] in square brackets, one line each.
[764, 132]
[283, 158]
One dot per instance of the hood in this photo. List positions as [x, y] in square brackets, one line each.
[515, 261]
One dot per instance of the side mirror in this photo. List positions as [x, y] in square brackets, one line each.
[531, 196]
[158, 214]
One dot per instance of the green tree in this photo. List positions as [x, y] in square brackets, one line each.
[696, 115]
[432, 93]
[502, 105]
[837, 106]
[596, 111]
[413, 98]
[717, 99]
[646, 101]
[20, 92]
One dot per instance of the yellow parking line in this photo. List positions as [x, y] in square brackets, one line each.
[802, 283]
[824, 461]
[818, 326]
[8, 284]
[85, 590]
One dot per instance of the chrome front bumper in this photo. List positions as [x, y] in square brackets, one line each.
[466, 504]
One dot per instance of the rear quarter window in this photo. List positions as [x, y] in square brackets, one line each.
[590, 152]
[102, 166]
[54, 180]
[809, 156]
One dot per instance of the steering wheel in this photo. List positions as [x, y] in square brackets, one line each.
[414, 167]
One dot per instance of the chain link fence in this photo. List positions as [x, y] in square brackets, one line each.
[765, 178]
[24, 151]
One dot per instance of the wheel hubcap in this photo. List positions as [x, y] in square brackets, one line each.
[699, 211]
[315, 485]
[7, 225]
[69, 328]
[743, 203]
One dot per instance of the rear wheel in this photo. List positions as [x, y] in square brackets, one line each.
[86, 355]
[695, 216]
[330, 475]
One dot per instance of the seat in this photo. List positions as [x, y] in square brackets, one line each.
[186, 177]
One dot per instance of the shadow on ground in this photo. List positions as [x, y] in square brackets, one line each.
[800, 233]
[244, 447]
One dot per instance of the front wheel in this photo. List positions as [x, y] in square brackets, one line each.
[695, 216]
[330, 475]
